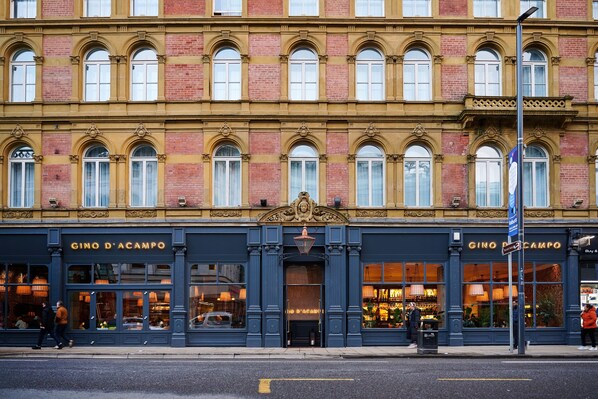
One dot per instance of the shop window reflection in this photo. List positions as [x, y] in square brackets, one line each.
[79, 309]
[23, 287]
[106, 311]
[159, 310]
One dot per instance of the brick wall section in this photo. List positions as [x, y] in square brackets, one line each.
[573, 47]
[184, 144]
[453, 46]
[56, 144]
[453, 8]
[572, 9]
[264, 143]
[264, 82]
[454, 175]
[184, 7]
[454, 82]
[337, 82]
[337, 8]
[184, 44]
[264, 183]
[337, 45]
[56, 83]
[574, 144]
[337, 173]
[574, 184]
[57, 8]
[183, 82]
[264, 45]
[257, 8]
[56, 183]
[184, 179]
[573, 81]
[57, 46]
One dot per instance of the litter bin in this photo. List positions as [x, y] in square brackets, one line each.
[427, 337]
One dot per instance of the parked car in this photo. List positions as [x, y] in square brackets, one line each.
[212, 320]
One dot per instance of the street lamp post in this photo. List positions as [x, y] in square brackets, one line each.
[520, 235]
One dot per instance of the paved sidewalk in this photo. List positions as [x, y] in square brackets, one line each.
[198, 353]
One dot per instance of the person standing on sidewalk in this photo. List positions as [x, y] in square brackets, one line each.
[46, 325]
[414, 317]
[588, 327]
[62, 321]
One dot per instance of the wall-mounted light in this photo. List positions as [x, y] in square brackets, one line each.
[263, 202]
[582, 242]
[182, 202]
[53, 202]
[456, 202]
[577, 203]
[456, 235]
[337, 202]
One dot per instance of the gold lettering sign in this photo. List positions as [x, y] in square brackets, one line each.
[128, 245]
[526, 245]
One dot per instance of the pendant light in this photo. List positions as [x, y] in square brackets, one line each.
[368, 291]
[476, 289]
[417, 289]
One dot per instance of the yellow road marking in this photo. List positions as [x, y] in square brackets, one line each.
[484, 379]
[264, 386]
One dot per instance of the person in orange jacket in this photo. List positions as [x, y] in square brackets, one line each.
[588, 317]
[60, 325]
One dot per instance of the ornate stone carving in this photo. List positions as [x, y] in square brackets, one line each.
[546, 213]
[38, 158]
[538, 133]
[141, 131]
[419, 130]
[92, 214]
[17, 214]
[18, 132]
[304, 210]
[303, 130]
[225, 213]
[371, 213]
[206, 157]
[141, 213]
[420, 213]
[74, 158]
[371, 130]
[93, 131]
[491, 213]
[226, 130]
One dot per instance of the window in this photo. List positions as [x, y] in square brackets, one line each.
[144, 75]
[23, 287]
[417, 77]
[535, 79]
[96, 177]
[535, 177]
[596, 75]
[303, 8]
[595, 9]
[369, 8]
[388, 287]
[527, 4]
[303, 169]
[370, 75]
[227, 176]
[217, 296]
[227, 7]
[486, 8]
[142, 8]
[144, 176]
[418, 177]
[596, 177]
[22, 77]
[97, 75]
[370, 176]
[303, 73]
[487, 73]
[488, 177]
[21, 178]
[24, 8]
[97, 8]
[227, 75]
[417, 8]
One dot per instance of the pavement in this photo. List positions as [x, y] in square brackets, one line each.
[228, 353]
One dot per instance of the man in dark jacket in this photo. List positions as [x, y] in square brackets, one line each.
[413, 324]
[46, 325]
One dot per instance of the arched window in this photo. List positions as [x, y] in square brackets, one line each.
[535, 177]
[24, 8]
[227, 75]
[370, 176]
[21, 178]
[144, 176]
[487, 73]
[488, 177]
[97, 75]
[303, 72]
[97, 8]
[418, 176]
[141, 8]
[417, 76]
[486, 8]
[535, 73]
[22, 77]
[369, 65]
[303, 170]
[144, 75]
[227, 176]
[369, 8]
[96, 177]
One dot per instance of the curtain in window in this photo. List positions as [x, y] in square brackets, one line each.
[220, 183]
[424, 183]
[151, 188]
[16, 183]
[311, 177]
[363, 183]
[296, 174]
[410, 183]
[25, 8]
[234, 193]
[369, 8]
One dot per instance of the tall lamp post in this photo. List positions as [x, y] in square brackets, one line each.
[520, 237]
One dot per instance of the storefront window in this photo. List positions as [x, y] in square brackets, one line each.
[217, 296]
[23, 288]
[159, 310]
[79, 308]
[106, 311]
[389, 287]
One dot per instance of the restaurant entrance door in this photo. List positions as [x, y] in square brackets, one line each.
[304, 304]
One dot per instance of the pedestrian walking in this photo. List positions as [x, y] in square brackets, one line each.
[588, 327]
[62, 321]
[46, 325]
[413, 319]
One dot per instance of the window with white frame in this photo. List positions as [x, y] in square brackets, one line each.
[487, 73]
[144, 176]
[486, 8]
[228, 7]
[596, 76]
[144, 75]
[369, 8]
[227, 176]
[299, 8]
[488, 177]
[370, 176]
[303, 172]
[369, 66]
[417, 76]
[227, 75]
[96, 177]
[21, 178]
[418, 176]
[417, 8]
[595, 9]
[144, 8]
[22, 77]
[535, 73]
[535, 177]
[97, 8]
[527, 4]
[24, 8]
[97, 75]
[303, 75]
